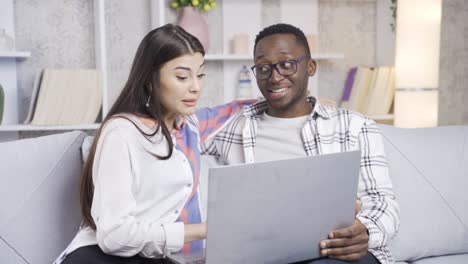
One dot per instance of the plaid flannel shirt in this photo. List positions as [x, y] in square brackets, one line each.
[327, 130]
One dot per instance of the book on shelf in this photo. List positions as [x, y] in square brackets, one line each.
[32, 103]
[369, 91]
[65, 97]
[381, 94]
[364, 77]
[348, 87]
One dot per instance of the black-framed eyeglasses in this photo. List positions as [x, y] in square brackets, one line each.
[284, 68]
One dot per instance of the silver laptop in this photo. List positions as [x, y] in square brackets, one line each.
[277, 211]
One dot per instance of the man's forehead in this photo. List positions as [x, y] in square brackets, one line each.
[280, 44]
[278, 38]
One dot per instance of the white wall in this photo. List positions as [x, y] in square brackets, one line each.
[453, 72]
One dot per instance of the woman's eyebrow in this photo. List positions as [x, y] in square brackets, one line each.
[182, 68]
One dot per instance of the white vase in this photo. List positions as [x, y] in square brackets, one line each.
[195, 23]
[2, 103]
[7, 43]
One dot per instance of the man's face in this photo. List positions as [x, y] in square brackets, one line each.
[286, 95]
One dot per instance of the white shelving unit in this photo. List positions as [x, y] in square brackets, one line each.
[382, 117]
[227, 57]
[302, 13]
[11, 125]
[101, 51]
[19, 55]
[8, 75]
[16, 128]
[249, 58]
[9, 82]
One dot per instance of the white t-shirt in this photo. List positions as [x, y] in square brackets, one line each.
[279, 138]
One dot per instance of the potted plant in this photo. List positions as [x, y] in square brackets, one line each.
[202, 5]
[191, 19]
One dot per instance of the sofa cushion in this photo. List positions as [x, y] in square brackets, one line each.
[429, 170]
[39, 194]
[450, 259]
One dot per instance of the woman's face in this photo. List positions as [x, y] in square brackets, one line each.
[181, 80]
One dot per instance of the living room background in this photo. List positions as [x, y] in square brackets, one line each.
[60, 34]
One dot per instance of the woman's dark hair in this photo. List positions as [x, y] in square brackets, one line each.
[159, 46]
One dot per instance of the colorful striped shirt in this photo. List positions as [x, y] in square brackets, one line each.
[196, 129]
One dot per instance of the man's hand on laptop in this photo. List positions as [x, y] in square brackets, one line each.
[348, 244]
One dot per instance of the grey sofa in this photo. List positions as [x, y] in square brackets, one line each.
[39, 210]
[429, 170]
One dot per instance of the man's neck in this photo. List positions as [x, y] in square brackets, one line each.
[298, 110]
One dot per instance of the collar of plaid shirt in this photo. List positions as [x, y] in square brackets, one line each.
[257, 109]
[253, 112]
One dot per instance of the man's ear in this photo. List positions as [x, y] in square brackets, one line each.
[311, 67]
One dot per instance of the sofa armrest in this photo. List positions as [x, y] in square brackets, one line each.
[39, 194]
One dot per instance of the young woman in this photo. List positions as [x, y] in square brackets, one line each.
[139, 189]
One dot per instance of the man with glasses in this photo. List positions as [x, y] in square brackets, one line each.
[290, 124]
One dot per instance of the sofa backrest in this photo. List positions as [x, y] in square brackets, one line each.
[429, 171]
[39, 197]
[39, 209]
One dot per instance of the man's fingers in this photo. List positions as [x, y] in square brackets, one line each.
[342, 251]
[344, 242]
[348, 244]
[348, 232]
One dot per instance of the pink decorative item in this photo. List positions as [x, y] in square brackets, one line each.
[240, 43]
[312, 40]
[195, 23]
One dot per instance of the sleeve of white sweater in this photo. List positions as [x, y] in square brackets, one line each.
[118, 230]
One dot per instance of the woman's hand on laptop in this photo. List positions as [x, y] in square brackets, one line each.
[194, 232]
[349, 244]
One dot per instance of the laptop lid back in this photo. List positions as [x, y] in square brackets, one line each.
[279, 211]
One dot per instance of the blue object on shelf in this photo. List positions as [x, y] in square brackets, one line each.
[2, 103]
[244, 85]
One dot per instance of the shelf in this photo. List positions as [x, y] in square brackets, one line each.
[15, 54]
[230, 57]
[327, 56]
[16, 128]
[235, 57]
[381, 117]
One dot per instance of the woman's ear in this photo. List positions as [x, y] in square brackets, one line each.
[149, 88]
[311, 67]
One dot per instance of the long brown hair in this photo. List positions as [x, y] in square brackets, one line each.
[159, 46]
